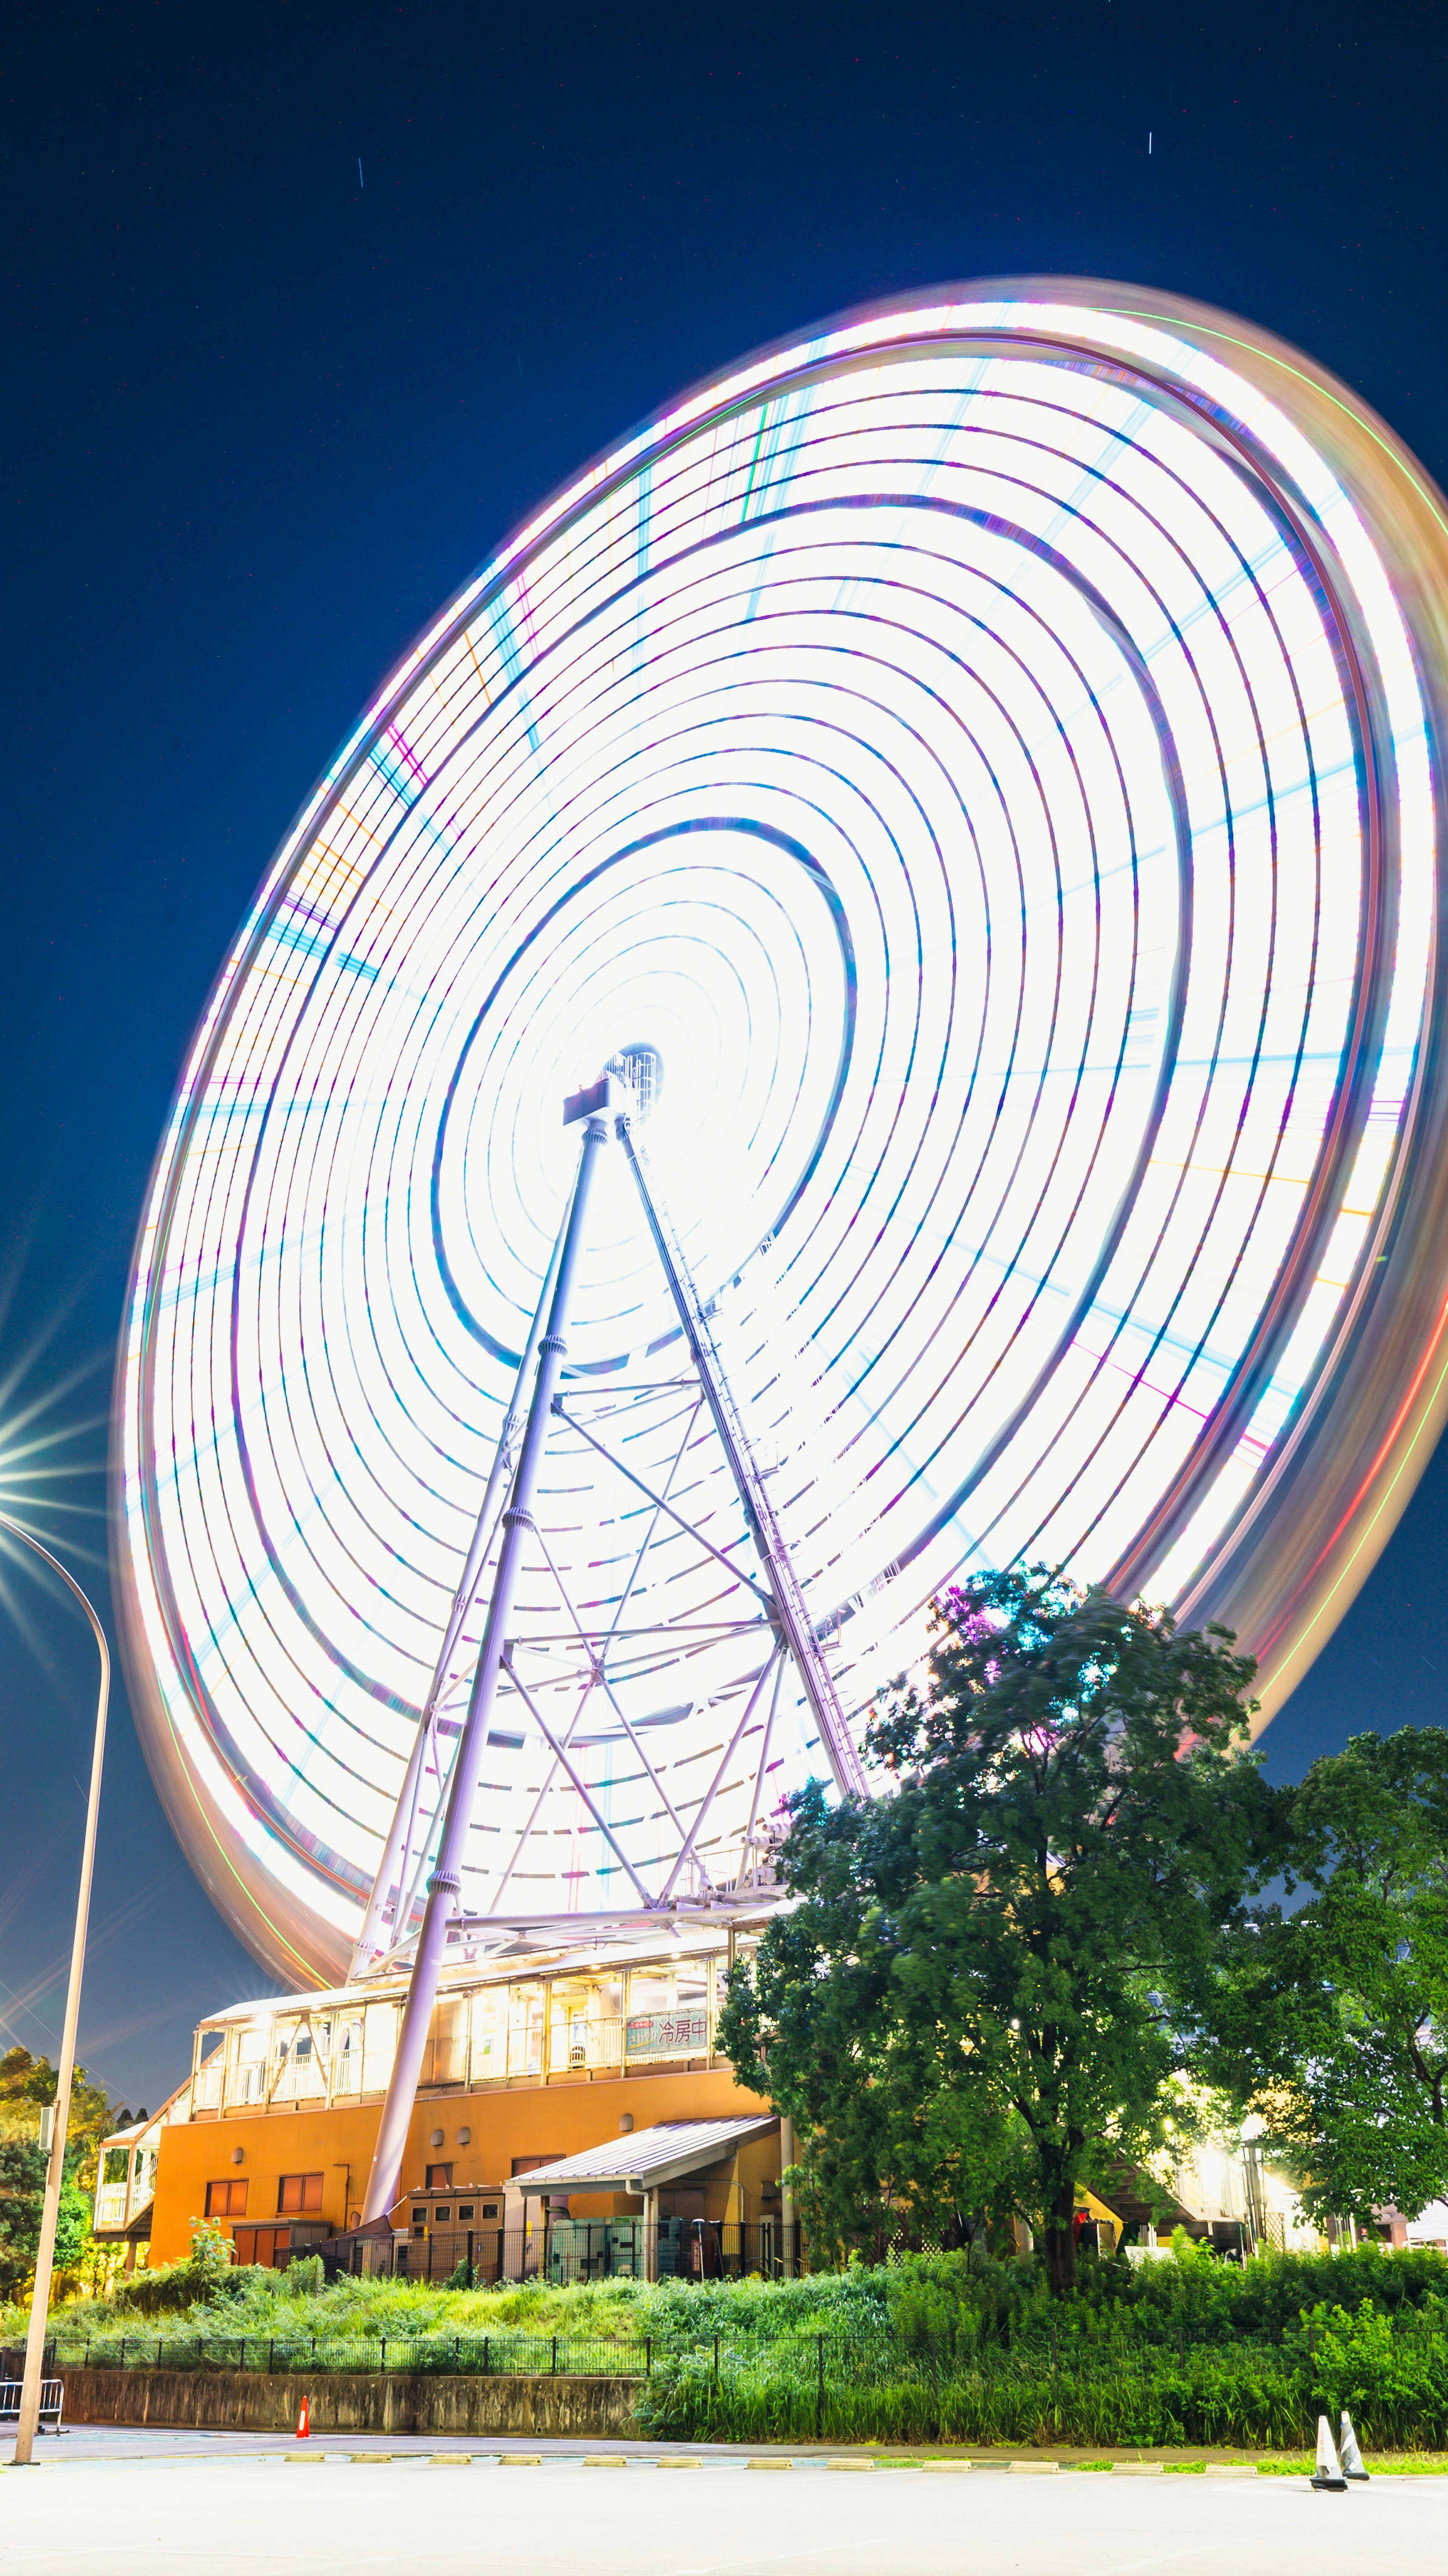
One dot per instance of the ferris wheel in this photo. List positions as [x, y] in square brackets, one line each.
[871, 979]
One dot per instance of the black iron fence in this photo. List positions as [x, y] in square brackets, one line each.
[559, 2251]
[473, 2356]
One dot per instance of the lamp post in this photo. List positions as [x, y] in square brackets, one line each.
[55, 2168]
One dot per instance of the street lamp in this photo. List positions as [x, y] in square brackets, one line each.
[55, 2168]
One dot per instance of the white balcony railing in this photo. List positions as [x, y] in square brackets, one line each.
[207, 2082]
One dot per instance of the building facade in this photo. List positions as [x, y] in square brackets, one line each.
[532, 2064]
[271, 2137]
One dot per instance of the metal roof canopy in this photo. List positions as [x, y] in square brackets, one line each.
[648, 2158]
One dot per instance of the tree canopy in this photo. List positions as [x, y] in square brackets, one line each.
[993, 1974]
[27, 2079]
[1335, 2017]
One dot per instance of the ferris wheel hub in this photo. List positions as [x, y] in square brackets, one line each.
[641, 1070]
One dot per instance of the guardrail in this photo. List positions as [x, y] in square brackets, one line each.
[52, 2402]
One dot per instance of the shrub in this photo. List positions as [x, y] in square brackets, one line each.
[951, 2347]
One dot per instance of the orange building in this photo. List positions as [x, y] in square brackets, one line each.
[271, 2138]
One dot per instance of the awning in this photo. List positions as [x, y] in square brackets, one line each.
[648, 2158]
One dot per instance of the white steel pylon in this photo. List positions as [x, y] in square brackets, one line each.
[590, 1658]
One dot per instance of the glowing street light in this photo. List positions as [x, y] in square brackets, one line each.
[55, 2168]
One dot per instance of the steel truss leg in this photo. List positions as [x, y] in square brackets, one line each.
[445, 1884]
[396, 1863]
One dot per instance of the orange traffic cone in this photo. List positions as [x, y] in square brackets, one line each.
[304, 2423]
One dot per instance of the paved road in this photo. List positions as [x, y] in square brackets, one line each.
[93, 2508]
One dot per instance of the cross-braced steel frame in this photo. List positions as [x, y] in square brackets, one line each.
[587, 1662]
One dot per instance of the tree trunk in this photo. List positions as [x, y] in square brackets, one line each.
[1059, 2238]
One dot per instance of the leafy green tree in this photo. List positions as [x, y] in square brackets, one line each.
[1336, 2015]
[27, 2082]
[993, 1975]
[22, 2190]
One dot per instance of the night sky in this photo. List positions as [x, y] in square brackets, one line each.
[264, 410]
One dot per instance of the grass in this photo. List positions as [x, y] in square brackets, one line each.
[1382, 2464]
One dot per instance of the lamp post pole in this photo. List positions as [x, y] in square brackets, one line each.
[55, 2169]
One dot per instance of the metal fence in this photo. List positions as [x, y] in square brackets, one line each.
[841, 2357]
[52, 2396]
[560, 2251]
[471, 2356]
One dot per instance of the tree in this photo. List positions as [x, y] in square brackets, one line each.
[26, 2083]
[1335, 2017]
[993, 1975]
[22, 2190]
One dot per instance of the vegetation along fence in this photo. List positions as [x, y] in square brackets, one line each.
[1123, 2388]
[1170, 2386]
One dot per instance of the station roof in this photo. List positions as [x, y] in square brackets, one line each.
[576, 1945]
[647, 2158]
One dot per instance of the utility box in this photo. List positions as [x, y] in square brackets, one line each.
[595, 2249]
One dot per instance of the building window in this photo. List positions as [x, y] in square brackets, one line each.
[299, 2191]
[226, 2200]
[261, 2244]
[465, 2211]
[443, 2217]
[439, 2178]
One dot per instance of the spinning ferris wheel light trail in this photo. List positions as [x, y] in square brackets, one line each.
[979, 771]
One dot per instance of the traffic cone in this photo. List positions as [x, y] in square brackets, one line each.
[1328, 2476]
[304, 2425]
[1350, 2455]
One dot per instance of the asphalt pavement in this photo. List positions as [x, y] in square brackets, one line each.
[102, 2503]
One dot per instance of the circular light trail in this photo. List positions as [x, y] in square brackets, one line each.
[988, 752]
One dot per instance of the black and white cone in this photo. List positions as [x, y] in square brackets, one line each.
[1328, 2476]
[1348, 2452]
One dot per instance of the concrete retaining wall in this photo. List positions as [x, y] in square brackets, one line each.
[350, 2401]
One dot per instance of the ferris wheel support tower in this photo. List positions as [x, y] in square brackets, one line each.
[785, 1618]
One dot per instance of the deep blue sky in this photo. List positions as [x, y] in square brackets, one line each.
[259, 420]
